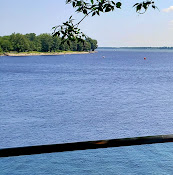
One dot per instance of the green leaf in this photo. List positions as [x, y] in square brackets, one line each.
[145, 6]
[92, 1]
[153, 6]
[113, 2]
[79, 9]
[74, 4]
[78, 3]
[100, 8]
[67, 1]
[135, 4]
[148, 2]
[97, 12]
[93, 13]
[138, 8]
[118, 4]
[84, 11]
[108, 9]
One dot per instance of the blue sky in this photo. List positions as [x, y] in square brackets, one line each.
[116, 29]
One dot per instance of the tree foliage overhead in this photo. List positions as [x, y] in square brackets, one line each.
[70, 31]
[43, 43]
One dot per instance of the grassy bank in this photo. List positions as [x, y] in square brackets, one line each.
[42, 53]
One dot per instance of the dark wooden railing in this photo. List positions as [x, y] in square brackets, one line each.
[40, 149]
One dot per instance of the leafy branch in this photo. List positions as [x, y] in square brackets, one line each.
[70, 31]
[142, 7]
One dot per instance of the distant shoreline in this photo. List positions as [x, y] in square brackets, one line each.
[147, 48]
[45, 53]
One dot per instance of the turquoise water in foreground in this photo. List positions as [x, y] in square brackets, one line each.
[57, 99]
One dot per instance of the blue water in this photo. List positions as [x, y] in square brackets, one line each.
[57, 99]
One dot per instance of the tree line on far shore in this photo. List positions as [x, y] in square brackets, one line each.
[43, 43]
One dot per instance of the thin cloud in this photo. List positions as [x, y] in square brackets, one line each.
[170, 9]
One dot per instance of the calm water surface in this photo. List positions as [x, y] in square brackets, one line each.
[56, 99]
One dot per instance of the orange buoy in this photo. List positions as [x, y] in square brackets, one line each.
[145, 58]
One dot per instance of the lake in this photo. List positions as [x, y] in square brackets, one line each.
[69, 98]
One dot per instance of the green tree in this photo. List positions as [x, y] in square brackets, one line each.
[56, 43]
[43, 43]
[31, 36]
[87, 46]
[93, 43]
[37, 44]
[73, 45]
[66, 46]
[6, 45]
[32, 41]
[79, 46]
[19, 42]
[46, 41]
[1, 50]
